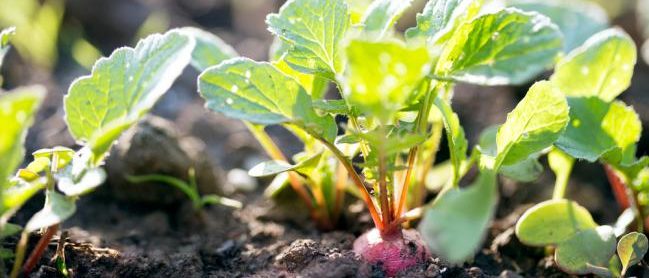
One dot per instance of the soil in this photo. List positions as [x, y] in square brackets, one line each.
[114, 236]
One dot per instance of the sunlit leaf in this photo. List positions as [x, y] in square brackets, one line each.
[552, 222]
[508, 47]
[382, 76]
[536, 122]
[595, 126]
[631, 248]
[577, 19]
[314, 29]
[602, 67]
[259, 93]
[17, 109]
[273, 167]
[57, 209]
[381, 15]
[123, 87]
[457, 142]
[210, 50]
[440, 17]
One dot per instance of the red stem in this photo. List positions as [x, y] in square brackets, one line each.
[39, 249]
[619, 190]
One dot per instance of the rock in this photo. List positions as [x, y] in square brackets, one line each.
[154, 147]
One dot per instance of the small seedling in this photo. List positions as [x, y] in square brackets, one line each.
[188, 188]
[99, 107]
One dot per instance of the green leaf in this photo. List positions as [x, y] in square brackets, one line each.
[57, 209]
[210, 50]
[382, 76]
[17, 110]
[602, 67]
[64, 156]
[527, 170]
[5, 34]
[455, 225]
[508, 47]
[72, 185]
[357, 9]
[381, 15]
[258, 92]
[457, 142]
[577, 20]
[587, 251]
[17, 193]
[594, 128]
[275, 167]
[552, 222]
[334, 106]
[314, 30]
[440, 17]
[536, 122]
[123, 87]
[631, 248]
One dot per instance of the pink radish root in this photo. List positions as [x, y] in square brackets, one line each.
[394, 252]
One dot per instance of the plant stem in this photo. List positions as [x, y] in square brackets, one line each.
[21, 249]
[421, 124]
[561, 184]
[625, 196]
[357, 181]
[39, 249]
[383, 189]
[275, 153]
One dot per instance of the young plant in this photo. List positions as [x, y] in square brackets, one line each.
[391, 92]
[189, 188]
[601, 130]
[99, 107]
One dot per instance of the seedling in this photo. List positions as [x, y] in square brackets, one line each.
[99, 107]
[396, 99]
[188, 188]
[601, 130]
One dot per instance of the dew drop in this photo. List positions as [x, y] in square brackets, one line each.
[234, 88]
[248, 74]
[585, 70]
[130, 78]
[495, 36]
[229, 101]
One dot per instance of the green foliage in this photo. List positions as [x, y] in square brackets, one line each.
[631, 248]
[313, 29]
[440, 18]
[259, 93]
[507, 47]
[382, 76]
[577, 19]
[588, 251]
[5, 35]
[454, 226]
[602, 67]
[457, 142]
[381, 15]
[210, 50]
[553, 222]
[594, 126]
[17, 112]
[536, 122]
[124, 87]
[57, 208]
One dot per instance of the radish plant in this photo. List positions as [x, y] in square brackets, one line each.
[394, 100]
[120, 90]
